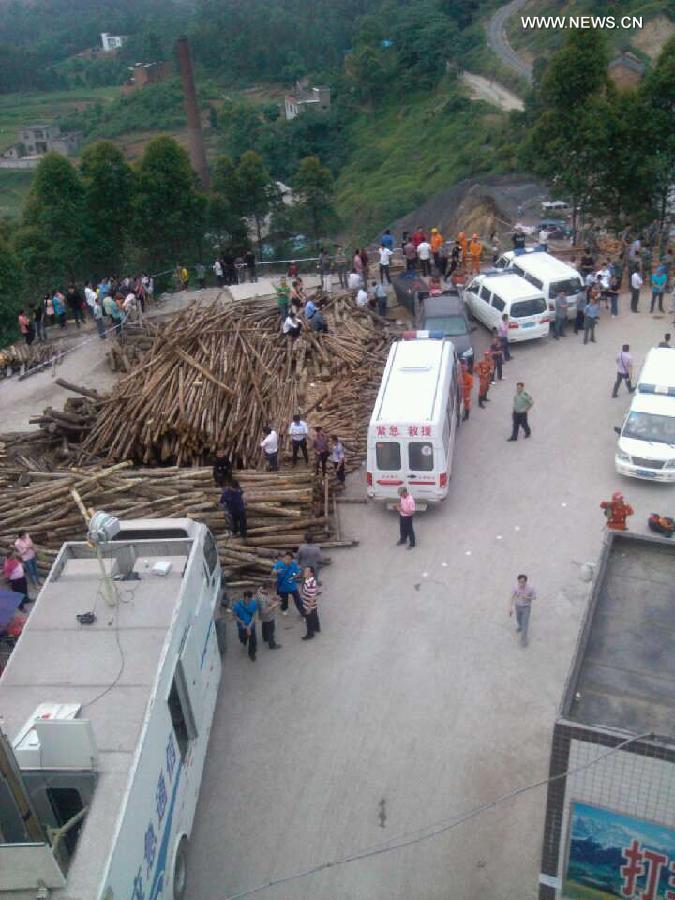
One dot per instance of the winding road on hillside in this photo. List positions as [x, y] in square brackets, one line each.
[499, 43]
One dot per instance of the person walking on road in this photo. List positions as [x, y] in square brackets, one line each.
[467, 388]
[624, 371]
[310, 593]
[522, 404]
[659, 279]
[288, 573]
[406, 512]
[560, 320]
[497, 356]
[591, 314]
[385, 254]
[484, 371]
[635, 285]
[244, 612]
[475, 252]
[503, 331]
[521, 601]
[298, 431]
[267, 606]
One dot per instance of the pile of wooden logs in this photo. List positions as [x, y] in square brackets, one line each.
[18, 357]
[216, 375]
[281, 508]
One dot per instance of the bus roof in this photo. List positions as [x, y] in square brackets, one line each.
[657, 375]
[539, 262]
[109, 667]
[411, 381]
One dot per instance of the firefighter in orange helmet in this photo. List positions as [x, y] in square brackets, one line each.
[475, 251]
[616, 512]
[467, 388]
[484, 371]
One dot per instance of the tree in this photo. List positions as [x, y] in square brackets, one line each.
[167, 211]
[256, 191]
[107, 180]
[657, 97]
[52, 238]
[576, 72]
[314, 192]
[10, 292]
[224, 220]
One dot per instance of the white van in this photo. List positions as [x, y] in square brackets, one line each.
[556, 206]
[646, 445]
[490, 295]
[547, 273]
[110, 715]
[412, 430]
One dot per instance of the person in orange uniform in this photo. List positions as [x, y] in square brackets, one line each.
[484, 371]
[475, 252]
[616, 512]
[467, 388]
[463, 243]
[436, 244]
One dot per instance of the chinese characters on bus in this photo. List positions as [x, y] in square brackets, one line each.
[404, 430]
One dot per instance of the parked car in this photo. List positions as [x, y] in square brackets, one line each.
[556, 228]
[446, 313]
[489, 296]
[407, 286]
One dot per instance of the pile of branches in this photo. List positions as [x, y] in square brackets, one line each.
[216, 375]
[24, 357]
[281, 508]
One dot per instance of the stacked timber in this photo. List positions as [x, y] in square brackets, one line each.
[281, 508]
[22, 356]
[216, 375]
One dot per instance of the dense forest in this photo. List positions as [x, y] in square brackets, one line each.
[400, 128]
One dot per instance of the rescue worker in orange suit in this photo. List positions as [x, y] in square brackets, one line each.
[616, 512]
[467, 388]
[463, 243]
[436, 244]
[475, 252]
[484, 371]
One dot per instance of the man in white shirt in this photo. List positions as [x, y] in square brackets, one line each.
[543, 238]
[354, 282]
[362, 297]
[298, 431]
[385, 258]
[90, 297]
[270, 448]
[424, 256]
[292, 325]
[635, 285]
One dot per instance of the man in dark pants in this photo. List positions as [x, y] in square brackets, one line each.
[266, 608]
[522, 403]
[321, 449]
[591, 314]
[288, 573]
[406, 512]
[298, 432]
[233, 499]
[624, 371]
[244, 612]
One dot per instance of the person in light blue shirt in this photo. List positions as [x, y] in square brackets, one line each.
[659, 279]
[288, 574]
[591, 314]
[244, 612]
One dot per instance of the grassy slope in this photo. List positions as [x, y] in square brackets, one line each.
[14, 188]
[407, 152]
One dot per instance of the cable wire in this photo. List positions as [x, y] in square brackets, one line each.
[424, 834]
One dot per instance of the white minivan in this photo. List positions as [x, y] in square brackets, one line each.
[646, 445]
[490, 295]
[551, 275]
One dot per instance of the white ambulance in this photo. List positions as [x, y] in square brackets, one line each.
[411, 436]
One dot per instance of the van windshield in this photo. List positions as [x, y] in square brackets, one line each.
[388, 455]
[524, 308]
[452, 326]
[566, 286]
[643, 426]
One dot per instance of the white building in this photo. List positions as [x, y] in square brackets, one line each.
[111, 42]
[305, 98]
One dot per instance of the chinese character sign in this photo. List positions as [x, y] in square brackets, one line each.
[612, 855]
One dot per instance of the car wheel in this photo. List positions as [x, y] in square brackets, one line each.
[180, 871]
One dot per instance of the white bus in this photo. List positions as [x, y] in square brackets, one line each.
[411, 436]
[109, 717]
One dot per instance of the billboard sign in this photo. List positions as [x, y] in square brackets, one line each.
[613, 855]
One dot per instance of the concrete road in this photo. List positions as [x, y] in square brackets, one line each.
[482, 89]
[416, 704]
[499, 43]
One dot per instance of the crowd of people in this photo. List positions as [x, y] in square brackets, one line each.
[108, 303]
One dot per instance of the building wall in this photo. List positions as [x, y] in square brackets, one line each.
[624, 77]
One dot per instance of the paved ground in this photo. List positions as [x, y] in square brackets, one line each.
[499, 43]
[416, 704]
[483, 89]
